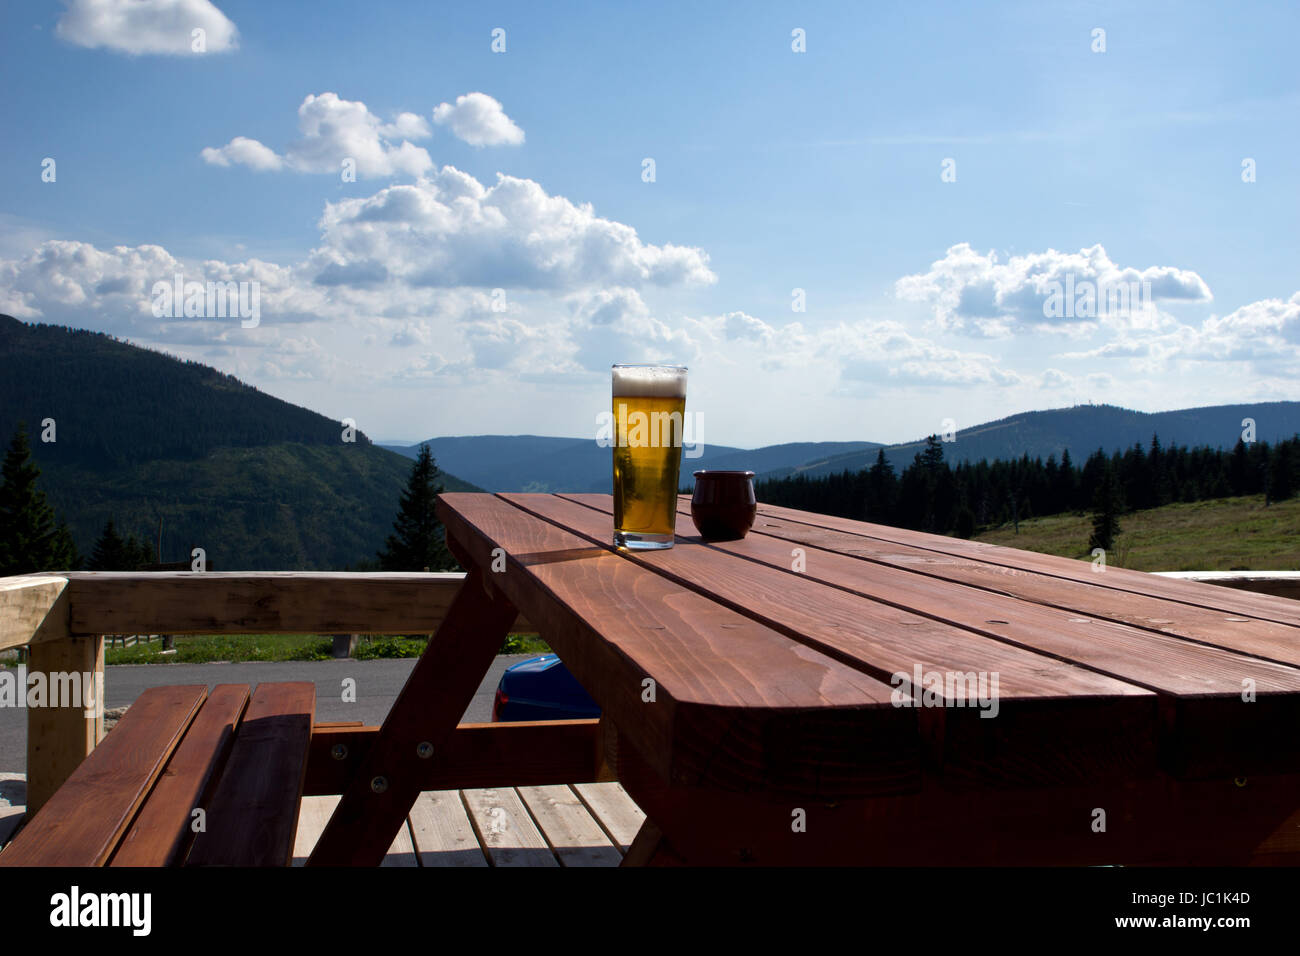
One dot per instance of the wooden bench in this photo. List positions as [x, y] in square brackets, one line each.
[185, 778]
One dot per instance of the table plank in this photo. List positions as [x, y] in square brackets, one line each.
[1265, 607]
[736, 704]
[569, 827]
[1227, 629]
[1037, 698]
[1208, 727]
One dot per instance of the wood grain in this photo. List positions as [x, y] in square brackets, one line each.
[1053, 721]
[59, 738]
[82, 822]
[1208, 726]
[569, 828]
[736, 704]
[24, 602]
[506, 830]
[473, 755]
[1243, 604]
[262, 602]
[443, 834]
[163, 829]
[315, 812]
[387, 780]
[253, 813]
[1151, 820]
[615, 811]
[1093, 597]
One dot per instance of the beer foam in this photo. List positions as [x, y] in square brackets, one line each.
[649, 381]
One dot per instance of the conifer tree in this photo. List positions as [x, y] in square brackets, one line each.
[417, 541]
[114, 553]
[1107, 504]
[31, 539]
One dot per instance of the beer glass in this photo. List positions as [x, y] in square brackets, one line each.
[649, 413]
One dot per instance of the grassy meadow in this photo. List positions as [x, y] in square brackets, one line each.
[1227, 534]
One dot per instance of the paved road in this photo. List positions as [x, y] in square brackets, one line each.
[378, 683]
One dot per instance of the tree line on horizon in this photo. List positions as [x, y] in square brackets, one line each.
[932, 495]
[33, 538]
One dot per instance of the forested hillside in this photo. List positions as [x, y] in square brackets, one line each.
[142, 437]
[930, 494]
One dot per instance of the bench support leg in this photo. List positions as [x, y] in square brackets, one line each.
[440, 688]
[59, 738]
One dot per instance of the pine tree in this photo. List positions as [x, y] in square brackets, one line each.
[882, 490]
[1107, 504]
[417, 542]
[1280, 486]
[113, 553]
[30, 537]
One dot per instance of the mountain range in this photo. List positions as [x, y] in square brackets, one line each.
[534, 463]
[153, 442]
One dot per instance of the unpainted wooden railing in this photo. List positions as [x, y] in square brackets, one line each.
[61, 619]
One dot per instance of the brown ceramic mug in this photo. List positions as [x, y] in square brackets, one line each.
[723, 506]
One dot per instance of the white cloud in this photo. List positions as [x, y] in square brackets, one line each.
[335, 129]
[244, 152]
[1263, 335]
[147, 26]
[974, 294]
[479, 120]
[449, 231]
[416, 267]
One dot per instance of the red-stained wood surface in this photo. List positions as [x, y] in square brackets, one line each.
[1210, 725]
[253, 813]
[82, 822]
[712, 696]
[161, 832]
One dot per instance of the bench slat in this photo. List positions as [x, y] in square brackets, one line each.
[505, 829]
[162, 828]
[81, 823]
[443, 834]
[253, 814]
[616, 812]
[569, 827]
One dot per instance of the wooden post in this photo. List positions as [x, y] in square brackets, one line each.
[58, 738]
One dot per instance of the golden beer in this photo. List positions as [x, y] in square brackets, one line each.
[649, 420]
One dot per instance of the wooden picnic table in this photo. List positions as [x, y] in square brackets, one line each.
[828, 691]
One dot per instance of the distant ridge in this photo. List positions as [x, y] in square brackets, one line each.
[537, 463]
[1082, 429]
[550, 464]
[259, 483]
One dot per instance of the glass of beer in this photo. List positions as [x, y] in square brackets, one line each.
[649, 418]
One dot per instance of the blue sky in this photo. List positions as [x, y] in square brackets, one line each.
[428, 298]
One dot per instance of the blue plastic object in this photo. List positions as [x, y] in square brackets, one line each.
[541, 688]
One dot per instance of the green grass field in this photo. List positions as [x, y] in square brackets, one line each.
[1229, 534]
